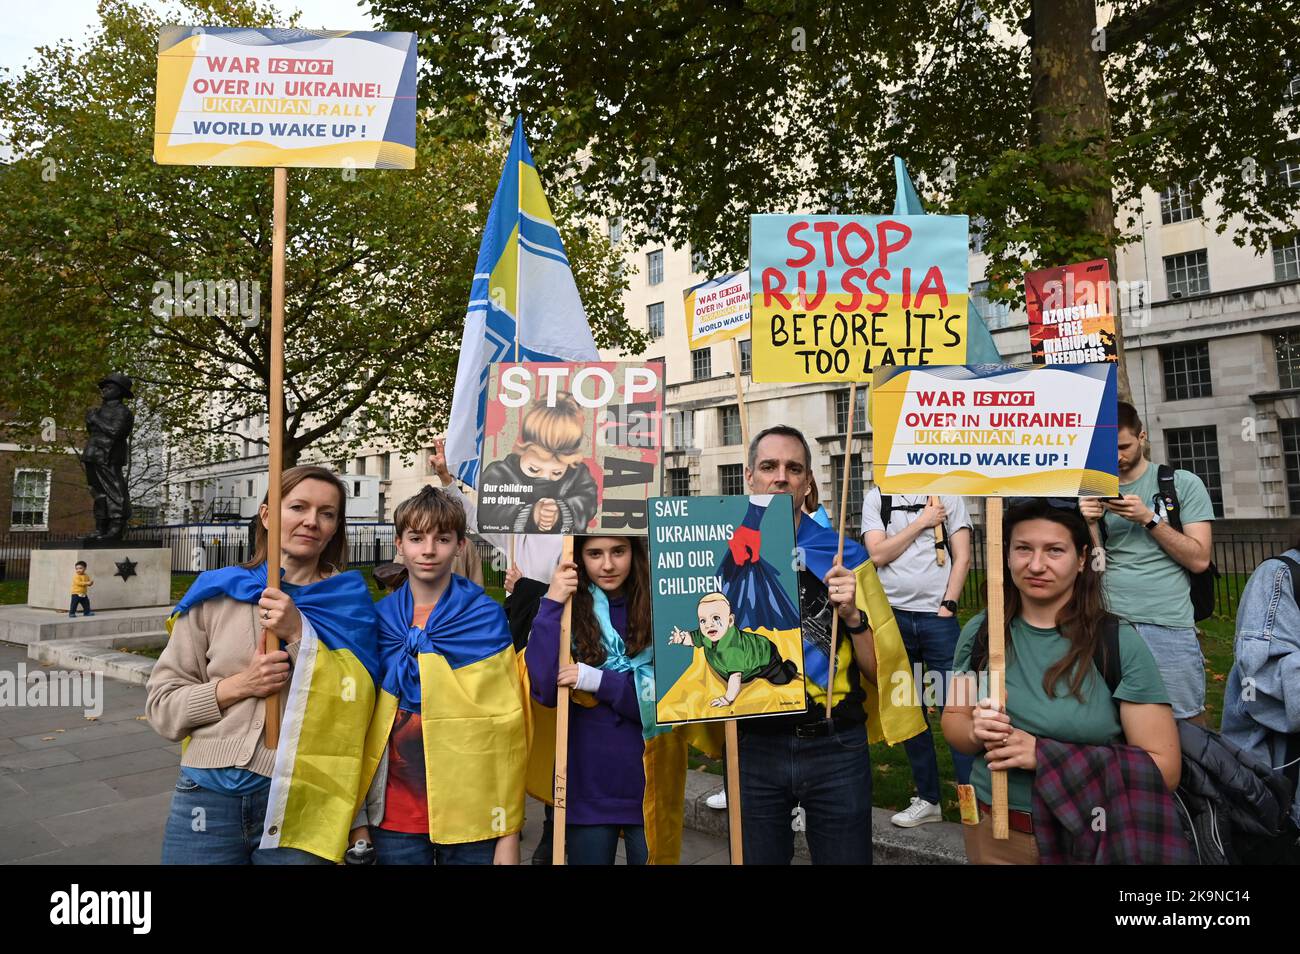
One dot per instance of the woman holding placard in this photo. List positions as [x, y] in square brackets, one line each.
[612, 675]
[1079, 683]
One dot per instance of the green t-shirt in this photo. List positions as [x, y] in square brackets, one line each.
[1143, 583]
[737, 651]
[1095, 721]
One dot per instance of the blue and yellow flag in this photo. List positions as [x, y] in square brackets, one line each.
[885, 719]
[318, 780]
[523, 299]
[459, 672]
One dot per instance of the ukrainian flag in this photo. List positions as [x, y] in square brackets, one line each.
[460, 674]
[885, 720]
[317, 781]
[523, 294]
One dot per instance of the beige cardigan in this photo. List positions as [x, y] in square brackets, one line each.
[212, 641]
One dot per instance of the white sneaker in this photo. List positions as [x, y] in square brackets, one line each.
[918, 813]
[717, 800]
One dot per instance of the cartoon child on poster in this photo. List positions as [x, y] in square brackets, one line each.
[736, 656]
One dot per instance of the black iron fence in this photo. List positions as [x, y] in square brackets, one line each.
[198, 547]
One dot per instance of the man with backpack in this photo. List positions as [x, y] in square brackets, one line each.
[1157, 543]
[921, 548]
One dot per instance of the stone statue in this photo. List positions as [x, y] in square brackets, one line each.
[105, 456]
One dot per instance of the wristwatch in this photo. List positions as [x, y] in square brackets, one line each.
[862, 626]
[950, 606]
[1154, 521]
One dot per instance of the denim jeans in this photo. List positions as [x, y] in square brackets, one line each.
[821, 786]
[211, 828]
[82, 601]
[598, 844]
[931, 641]
[410, 848]
[1177, 652]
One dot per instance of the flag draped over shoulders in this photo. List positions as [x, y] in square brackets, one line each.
[885, 720]
[459, 673]
[317, 780]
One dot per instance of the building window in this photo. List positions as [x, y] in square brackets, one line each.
[385, 467]
[654, 319]
[731, 479]
[729, 425]
[615, 230]
[1288, 173]
[701, 363]
[1187, 371]
[654, 267]
[1291, 456]
[250, 488]
[1287, 348]
[996, 313]
[31, 503]
[683, 429]
[1187, 274]
[1197, 449]
[855, 489]
[679, 482]
[1179, 203]
[1286, 256]
[746, 356]
[859, 411]
[1293, 90]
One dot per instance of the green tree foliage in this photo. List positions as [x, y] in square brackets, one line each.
[378, 267]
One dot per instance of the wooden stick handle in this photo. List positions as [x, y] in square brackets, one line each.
[275, 415]
[734, 830]
[997, 652]
[839, 551]
[562, 725]
[939, 554]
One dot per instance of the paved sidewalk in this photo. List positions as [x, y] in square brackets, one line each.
[75, 791]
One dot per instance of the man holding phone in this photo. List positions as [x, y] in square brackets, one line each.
[1147, 562]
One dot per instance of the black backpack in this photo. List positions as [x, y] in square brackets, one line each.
[887, 511]
[1105, 655]
[1201, 584]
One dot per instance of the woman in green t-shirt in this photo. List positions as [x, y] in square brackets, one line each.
[1055, 616]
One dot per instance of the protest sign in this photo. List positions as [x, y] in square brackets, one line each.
[725, 599]
[997, 430]
[833, 297]
[717, 309]
[1071, 314]
[571, 447]
[240, 97]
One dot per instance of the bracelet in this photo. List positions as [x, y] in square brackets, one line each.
[865, 625]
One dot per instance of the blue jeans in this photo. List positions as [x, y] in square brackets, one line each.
[212, 828]
[410, 848]
[821, 786]
[1177, 652]
[597, 844]
[931, 641]
[83, 601]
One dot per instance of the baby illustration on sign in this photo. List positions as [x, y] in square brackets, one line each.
[737, 656]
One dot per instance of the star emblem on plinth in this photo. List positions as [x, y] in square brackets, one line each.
[125, 568]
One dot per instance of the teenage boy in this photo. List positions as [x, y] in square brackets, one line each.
[1147, 561]
[449, 788]
[81, 582]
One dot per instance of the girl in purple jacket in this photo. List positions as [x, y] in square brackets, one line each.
[610, 588]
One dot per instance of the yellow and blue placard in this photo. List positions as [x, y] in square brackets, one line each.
[243, 97]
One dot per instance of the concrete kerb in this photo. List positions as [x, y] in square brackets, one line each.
[101, 654]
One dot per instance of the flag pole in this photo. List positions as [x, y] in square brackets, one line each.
[730, 728]
[562, 724]
[839, 551]
[997, 650]
[275, 400]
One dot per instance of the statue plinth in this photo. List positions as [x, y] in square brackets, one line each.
[126, 575]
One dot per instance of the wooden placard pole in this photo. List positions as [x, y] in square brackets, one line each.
[997, 649]
[730, 728]
[839, 551]
[275, 400]
[562, 724]
[938, 536]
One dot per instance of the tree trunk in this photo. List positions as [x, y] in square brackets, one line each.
[1069, 103]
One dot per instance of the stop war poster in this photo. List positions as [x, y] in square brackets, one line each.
[240, 97]
[833, 297]
[997, 430]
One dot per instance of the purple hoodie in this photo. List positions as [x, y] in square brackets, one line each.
[606, 774]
